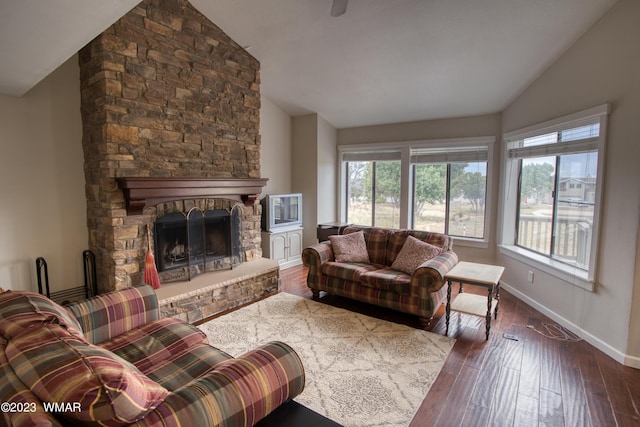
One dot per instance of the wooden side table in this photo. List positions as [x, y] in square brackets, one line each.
[330, 229]
[470, 273]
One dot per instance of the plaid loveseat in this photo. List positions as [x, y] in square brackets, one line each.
[111, 360]
[375, 282]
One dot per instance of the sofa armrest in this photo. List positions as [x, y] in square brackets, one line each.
[106, 316]
[313, 257]
[237, 392]
[432, 271]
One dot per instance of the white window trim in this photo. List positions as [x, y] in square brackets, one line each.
[509, 172]
[404, 147]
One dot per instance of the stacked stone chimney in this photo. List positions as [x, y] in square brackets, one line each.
[165, 93]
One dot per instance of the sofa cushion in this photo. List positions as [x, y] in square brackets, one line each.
[183, 368]
[387, 279]
[60, 367]
[413, 253]
[349, 247]
[169, 351]
[21, 310]
[376, 239]
[347, 271]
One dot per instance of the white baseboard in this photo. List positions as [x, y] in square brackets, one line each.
[617, 355]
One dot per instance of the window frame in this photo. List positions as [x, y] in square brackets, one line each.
[404, 151]
[583, 278]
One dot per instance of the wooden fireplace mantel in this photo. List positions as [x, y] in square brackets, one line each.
[143, 192]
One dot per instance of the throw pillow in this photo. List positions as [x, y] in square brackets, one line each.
[413, 253]
[60, 367]
[350, 247]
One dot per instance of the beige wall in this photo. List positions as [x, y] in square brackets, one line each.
[314, 171]
[327, 172]
[42, 199]
[305, 160]
[634, 322]
[275, 148]
[462, 127]
[602, 66]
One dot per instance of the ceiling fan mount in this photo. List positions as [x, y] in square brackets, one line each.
[339, 7]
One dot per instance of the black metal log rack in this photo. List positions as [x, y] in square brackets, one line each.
[65, 296]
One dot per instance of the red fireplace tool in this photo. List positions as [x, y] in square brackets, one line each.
[150, 273]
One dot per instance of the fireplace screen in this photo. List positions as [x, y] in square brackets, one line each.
[191, 243]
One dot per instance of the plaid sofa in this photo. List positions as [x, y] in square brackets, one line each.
[376, 282]
[111, 360]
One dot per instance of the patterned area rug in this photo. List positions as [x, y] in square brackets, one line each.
[360, 371]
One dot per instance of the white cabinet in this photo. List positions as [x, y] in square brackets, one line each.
[284, 245]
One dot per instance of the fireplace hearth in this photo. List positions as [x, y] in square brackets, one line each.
[191, 243]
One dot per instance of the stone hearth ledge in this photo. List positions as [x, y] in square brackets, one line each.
[218, 291]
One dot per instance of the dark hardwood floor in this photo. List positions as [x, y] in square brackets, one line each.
[534, 381]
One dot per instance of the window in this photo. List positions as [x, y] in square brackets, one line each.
[373, 193]
[438, 186]
[552, 194]
[449, 190]
[430, 185]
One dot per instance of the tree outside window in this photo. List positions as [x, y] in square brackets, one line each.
[467, 199]
[450, 198]
[373, 193]
[429, 196]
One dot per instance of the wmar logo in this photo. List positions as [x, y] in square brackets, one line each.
[62, 406]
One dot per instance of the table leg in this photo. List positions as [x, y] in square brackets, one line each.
[448, 308]
[488, 317]
[495, 315]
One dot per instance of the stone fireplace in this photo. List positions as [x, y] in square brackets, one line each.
[171, 113]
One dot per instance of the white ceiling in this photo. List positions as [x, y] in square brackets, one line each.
[37, 36]
[384, 61]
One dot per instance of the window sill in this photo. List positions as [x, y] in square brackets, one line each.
[469, 243]
[567, 273]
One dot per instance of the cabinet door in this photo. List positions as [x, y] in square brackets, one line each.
[295, 245]
[279, 247]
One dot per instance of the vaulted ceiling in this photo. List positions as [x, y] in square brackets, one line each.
[383, 61]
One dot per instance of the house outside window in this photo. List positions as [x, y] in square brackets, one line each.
[438, 186]
[552, 193]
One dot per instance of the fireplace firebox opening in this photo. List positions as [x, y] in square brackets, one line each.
[191, 243]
